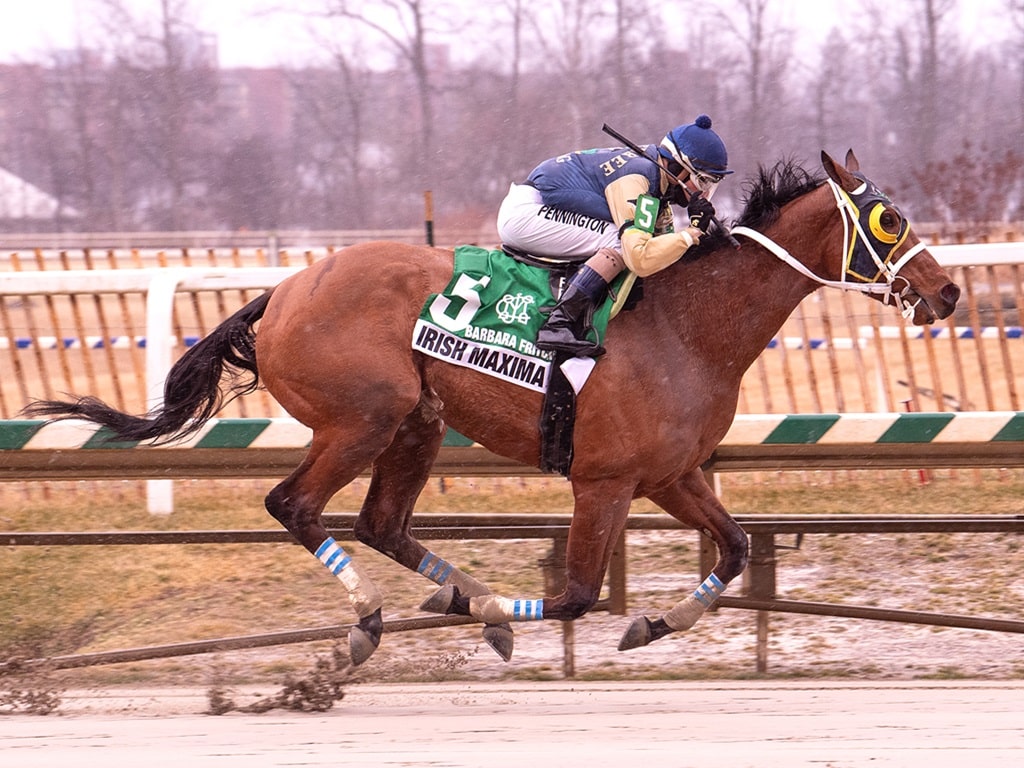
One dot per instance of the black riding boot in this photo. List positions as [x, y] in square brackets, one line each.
[570, 322]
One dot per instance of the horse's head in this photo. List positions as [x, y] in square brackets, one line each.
[881, 255]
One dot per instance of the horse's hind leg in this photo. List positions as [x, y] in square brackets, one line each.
[384, 522]
[297, 503]
[691, 501]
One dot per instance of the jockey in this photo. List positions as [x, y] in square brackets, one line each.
[583, 204]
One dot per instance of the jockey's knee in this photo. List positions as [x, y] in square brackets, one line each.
[607, 262]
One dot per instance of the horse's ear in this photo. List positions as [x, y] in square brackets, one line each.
[837, 173]
[852, 164]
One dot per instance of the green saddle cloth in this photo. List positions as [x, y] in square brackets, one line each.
[488, 316]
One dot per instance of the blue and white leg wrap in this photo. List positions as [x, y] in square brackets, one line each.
[440, 571]
[709, 591]
[362, 593]
[435, 568]
[685, 613]
[494, 609]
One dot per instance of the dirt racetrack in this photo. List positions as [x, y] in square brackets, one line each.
[672, 724]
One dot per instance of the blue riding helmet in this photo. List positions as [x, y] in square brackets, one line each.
[696, 147]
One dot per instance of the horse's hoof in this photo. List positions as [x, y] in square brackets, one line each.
[440, 601]
[364, 638]
[500, 638]
[638, 635]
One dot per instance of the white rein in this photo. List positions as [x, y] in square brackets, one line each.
[848, 215]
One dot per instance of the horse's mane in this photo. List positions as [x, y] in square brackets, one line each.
[772, 189]
[764, 197]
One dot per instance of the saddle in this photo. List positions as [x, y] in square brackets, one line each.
[558, 412]
[560, 271]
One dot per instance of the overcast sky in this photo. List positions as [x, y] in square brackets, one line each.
[29, 28]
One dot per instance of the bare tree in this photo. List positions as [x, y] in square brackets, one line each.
[31, 139]
[513, 14]
[79, 96]
[564, 34]
[1015, 53]
[334, 142]
[848, 90]
[639, 30]
[1015, 11]
[249, 181]
[405, 26]
[139, 134]
[930, 16]
[164, 70]
[759, 59]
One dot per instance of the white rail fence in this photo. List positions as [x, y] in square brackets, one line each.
[160, 286]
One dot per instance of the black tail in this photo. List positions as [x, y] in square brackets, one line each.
[192, 391]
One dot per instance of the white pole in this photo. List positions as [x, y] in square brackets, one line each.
[159, 310]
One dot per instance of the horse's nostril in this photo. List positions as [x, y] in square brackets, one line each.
[950, 293]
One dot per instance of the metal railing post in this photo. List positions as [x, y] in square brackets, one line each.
[553, 567]
[762, 587]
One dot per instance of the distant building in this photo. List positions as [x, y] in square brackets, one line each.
[255, 102]
[24, 206]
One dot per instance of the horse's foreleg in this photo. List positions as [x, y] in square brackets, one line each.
[598, 519]
[399, 475]
[691, 501]
[297, 503]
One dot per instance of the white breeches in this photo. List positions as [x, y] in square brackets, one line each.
[524, 222]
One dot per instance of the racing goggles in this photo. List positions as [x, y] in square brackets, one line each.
[704, 181]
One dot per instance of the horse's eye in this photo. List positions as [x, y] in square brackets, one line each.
[885, 223]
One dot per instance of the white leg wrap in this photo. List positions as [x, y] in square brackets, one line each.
[362, 593]
[685, 613]
[494, 609]
[442, 572]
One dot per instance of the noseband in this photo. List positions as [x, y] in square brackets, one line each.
[855, 208]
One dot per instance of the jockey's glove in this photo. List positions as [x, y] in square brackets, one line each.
[701, 211]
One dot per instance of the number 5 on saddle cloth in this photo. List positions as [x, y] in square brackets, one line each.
[487, 319]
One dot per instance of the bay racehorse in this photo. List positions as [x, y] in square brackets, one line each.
[333, 347]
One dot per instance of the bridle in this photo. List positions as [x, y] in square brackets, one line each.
[856, 209]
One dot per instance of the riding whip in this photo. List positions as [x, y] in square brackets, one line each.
[636, 148]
